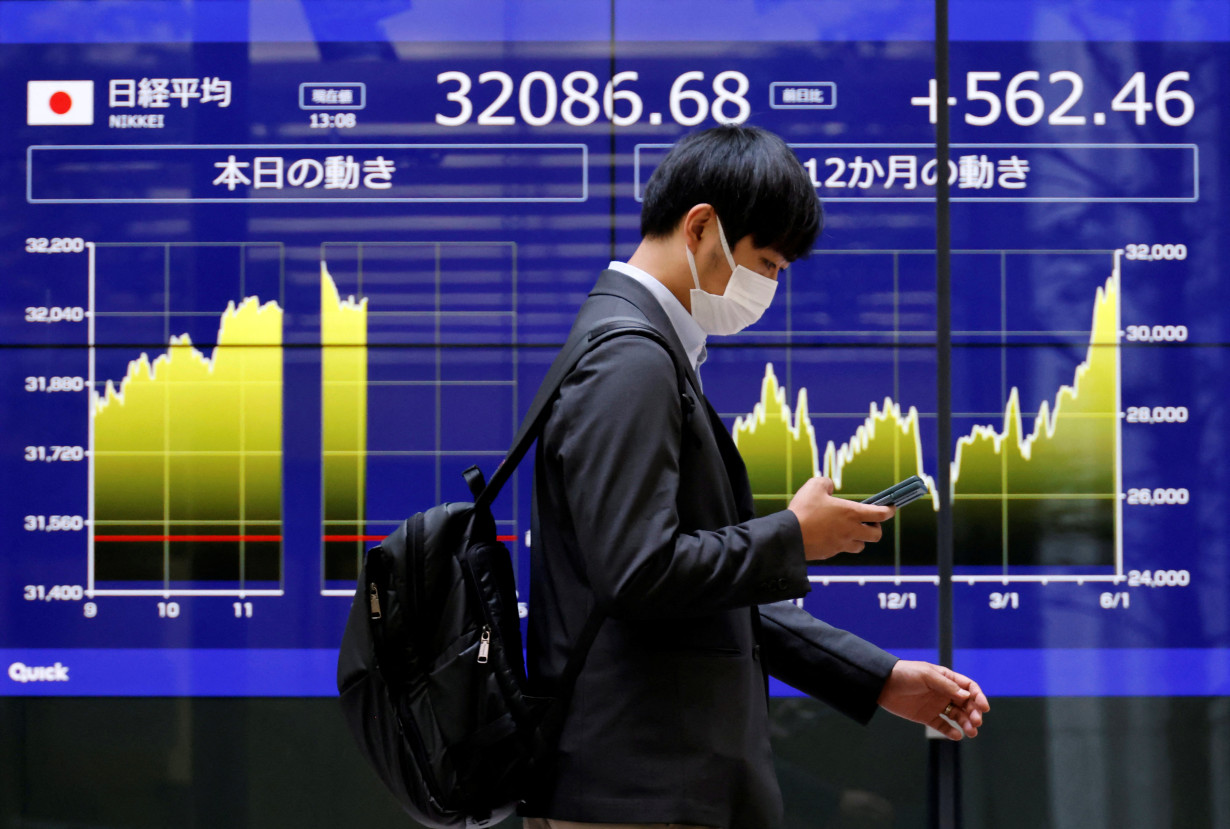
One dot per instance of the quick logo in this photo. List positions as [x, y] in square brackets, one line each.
[21, 672]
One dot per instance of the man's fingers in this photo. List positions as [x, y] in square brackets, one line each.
[974, 717]
[968, 702]
[868, 514]
[970, 688]
[961, 722]
[977, 698]
[965, 720]
[943, 682]
[946, 728]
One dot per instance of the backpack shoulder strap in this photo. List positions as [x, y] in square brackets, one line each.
[531, 428]
[536, 417]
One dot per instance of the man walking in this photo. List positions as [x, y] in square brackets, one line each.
[644, 527]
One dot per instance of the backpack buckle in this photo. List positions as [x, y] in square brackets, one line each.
[475, 480]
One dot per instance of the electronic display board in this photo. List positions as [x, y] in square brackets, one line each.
[275, 273]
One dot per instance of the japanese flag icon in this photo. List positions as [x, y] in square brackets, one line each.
[59, 102]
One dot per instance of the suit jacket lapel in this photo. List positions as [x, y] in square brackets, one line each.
[736, 470]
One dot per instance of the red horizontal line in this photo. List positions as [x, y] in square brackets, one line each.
[159, 538]
[381, 538]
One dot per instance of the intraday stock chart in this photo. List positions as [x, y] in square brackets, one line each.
[269, 289]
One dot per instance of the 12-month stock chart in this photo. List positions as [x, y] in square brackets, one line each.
[264, 298]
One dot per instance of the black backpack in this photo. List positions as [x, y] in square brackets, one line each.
[431, 673]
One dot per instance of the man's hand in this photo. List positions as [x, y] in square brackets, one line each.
[921, 692]
[834, 525]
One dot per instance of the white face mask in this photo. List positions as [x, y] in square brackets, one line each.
[744, 301]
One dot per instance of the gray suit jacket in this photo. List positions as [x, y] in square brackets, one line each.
[645, 511]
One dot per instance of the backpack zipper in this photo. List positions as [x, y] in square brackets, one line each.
[373, 598]
[484, 645]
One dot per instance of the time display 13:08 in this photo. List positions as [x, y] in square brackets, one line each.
[340, 120]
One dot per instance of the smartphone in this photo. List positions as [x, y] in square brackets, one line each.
[898, 495]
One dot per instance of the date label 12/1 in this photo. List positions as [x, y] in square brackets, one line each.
[898, 601]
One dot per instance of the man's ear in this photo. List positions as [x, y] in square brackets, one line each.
[698, 220]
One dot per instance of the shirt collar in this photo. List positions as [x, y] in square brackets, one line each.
[690, 334]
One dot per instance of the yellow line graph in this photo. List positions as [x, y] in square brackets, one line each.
[343, 333]
[189, 444]
[1069, 454]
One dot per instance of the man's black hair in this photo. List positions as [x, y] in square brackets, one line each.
[753, 180]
